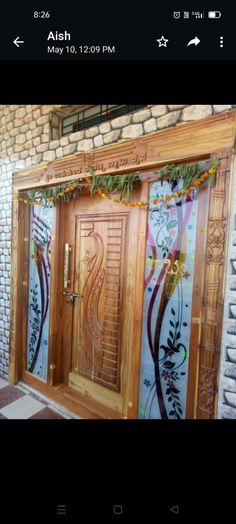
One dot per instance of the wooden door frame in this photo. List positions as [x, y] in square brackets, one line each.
[208, 137]
[208, 288]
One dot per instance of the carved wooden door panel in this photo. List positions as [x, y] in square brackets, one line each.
[101, 309]
[99, 280]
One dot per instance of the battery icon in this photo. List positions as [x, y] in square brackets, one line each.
[214, 14]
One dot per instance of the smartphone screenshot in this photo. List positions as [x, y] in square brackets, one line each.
[117, 261]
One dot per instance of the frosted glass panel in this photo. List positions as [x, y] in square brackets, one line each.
[39, 287]
[167, 306]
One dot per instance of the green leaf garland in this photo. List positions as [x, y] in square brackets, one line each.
[122, 184]
[187, 172]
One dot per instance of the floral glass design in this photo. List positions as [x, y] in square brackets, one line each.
[170, 257]
[39, 288]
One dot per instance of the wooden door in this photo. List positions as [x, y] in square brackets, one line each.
[101, 320]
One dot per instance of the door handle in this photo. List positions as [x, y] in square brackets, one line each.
[67, 250]
[72, 296]
[77, 295]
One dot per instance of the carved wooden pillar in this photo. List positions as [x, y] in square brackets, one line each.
[13, 368]
[19, 288]
[213, 293]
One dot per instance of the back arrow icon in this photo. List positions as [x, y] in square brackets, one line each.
[195, 41]
[17, 41]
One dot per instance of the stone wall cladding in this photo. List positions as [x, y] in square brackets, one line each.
[28, 136]
[227, 379]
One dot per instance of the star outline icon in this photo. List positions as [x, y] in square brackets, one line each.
[162, 42]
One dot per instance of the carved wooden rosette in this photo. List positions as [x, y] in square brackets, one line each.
[212, 308]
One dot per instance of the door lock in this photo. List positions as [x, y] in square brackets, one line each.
[72, 296]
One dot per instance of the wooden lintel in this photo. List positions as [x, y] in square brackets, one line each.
[184, 142]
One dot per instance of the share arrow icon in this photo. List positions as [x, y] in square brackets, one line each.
[194, 41]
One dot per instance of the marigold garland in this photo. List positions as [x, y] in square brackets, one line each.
[195, 185]
[50, 196]
[104, 185]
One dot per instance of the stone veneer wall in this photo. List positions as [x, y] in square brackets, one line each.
[25, 140]
[227, 382]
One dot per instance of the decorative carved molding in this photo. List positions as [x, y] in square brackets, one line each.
[206, 391]
[216, 236]
[212, 317]
[92, 291]
[98, 340]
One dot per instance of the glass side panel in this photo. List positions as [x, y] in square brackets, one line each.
[168, 299]
[39, 287]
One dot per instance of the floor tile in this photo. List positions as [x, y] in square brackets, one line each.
[3, 383]
[9, 394]
[23, 408]
[47, 413]
[29, 391]
[61, 410]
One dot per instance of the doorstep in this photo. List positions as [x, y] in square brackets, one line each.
[82, 405]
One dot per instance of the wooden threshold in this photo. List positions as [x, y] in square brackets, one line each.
[70, 399]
